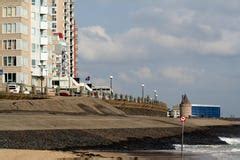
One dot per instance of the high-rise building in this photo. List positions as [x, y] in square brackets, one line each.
[26, 40]
[41, 42]
[15, 41]
[63, 22]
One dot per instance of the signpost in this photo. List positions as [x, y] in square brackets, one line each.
[182, 119]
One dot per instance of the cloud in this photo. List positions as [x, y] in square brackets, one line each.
[101, 82]
[126, 77]
[175, 75]
[143, 43]
[144, 73]
[180, 75]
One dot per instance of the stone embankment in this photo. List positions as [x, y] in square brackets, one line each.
[113, 139]
[147, 109]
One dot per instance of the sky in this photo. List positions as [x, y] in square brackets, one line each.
[172, 46]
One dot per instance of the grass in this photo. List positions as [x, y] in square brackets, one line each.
[16, 96]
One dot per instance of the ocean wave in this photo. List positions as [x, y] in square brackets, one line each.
[231, 141]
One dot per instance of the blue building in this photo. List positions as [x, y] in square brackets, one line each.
[206, 111]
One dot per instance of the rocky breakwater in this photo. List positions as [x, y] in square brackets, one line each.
[115, 139]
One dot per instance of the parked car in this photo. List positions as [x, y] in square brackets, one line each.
[15, 88]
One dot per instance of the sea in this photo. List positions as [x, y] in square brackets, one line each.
[231, 151]
[216, 152]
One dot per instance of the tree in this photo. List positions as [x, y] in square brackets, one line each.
[148, 99]
[126, 97]
[121, 97]
[130, 98]
[138, 100]
[135, 100]
[116, 96]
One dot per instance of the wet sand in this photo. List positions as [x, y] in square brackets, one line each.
[6, 154]
[11, 154]
[146, 155]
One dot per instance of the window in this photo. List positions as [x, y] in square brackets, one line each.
[54, 25]
[54, 3]
[33, 47]
[9, 44]
[10, 77]
[9, 28]
[14, 28]
[33, 31]
[33, 62]
[4, 28]
[9, 11]
[5, 44]
[54, 18]
[44, 18]
[10, 61]
[54, 11]
[33, 15]
[43, 49]
[4, 12]
[13, 11]
[33, 2]
[43, 2]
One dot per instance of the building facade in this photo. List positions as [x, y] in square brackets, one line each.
[63, 22]
[41, 43]
[185, 107]
[27, 29]
[15, 41]
[206, 111]
[199, 111]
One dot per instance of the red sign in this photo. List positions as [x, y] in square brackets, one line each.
[183, 119]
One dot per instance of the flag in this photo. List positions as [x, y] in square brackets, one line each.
[87, 78]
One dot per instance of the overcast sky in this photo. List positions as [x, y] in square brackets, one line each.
[173, 46]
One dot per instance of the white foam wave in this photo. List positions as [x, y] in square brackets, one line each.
[231, 141]
[235, 150]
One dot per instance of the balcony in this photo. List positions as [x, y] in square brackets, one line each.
[44, 41]
[44, 56]
[44, 25]
[43, 10]
[36, 71]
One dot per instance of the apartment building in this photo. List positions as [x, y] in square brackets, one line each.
[27, 50]
[63, 22]
[41, 42]
[15, 41]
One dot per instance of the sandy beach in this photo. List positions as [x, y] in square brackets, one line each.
[11, 154]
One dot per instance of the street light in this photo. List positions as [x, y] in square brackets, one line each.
[111, 87]
[31, 78]
[42, 77]
[155, 95]
[143, 92]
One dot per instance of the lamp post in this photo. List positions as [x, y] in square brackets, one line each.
[31, 78]
[69, 82]
[111, 87]
[41, 67]
[155, 96]
[143, 92]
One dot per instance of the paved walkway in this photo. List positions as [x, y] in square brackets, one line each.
[39, 121]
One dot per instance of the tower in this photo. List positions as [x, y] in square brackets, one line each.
[185, 107]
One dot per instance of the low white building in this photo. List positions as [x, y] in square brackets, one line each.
[175, 112]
